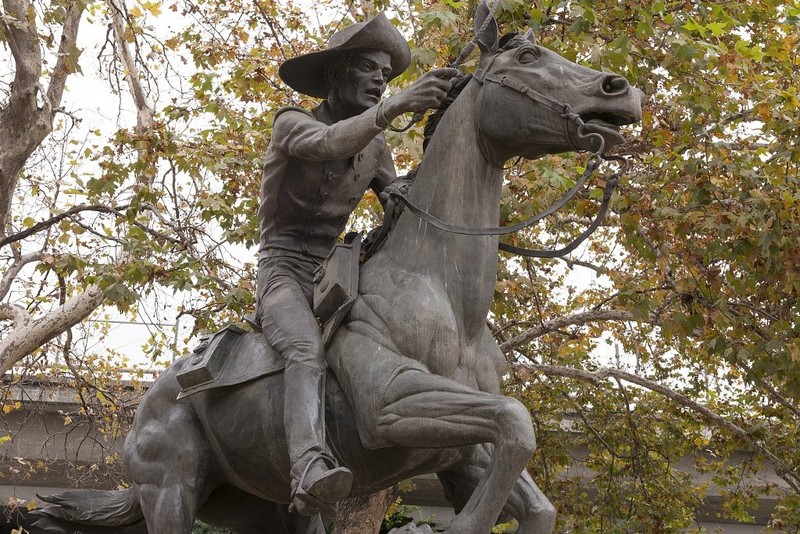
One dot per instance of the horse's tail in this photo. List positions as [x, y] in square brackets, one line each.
[91, 511]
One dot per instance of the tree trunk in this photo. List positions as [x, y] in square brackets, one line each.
[363, 514]
[26, 121]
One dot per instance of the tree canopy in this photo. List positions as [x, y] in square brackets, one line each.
[675, 332]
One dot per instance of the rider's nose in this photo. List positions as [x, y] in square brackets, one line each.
[615, 85]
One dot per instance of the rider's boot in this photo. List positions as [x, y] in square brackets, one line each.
[318, 482]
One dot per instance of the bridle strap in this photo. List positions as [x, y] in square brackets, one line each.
[511, 83]
[482, 76]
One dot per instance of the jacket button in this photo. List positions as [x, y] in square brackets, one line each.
[360, 157]
[330, 175]
[317, 215]
[324, 196]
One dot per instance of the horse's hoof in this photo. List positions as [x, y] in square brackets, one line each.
[411, 528]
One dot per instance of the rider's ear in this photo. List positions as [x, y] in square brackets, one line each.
[486, 36]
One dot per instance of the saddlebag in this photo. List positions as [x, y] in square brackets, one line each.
[336, 284]
[209, 357]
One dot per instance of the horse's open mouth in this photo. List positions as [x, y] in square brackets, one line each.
[607, 120]
[606, 124]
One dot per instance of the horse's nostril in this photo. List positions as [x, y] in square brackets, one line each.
[613, 85]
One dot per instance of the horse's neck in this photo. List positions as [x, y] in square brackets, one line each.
[456, 184]
[454, 181]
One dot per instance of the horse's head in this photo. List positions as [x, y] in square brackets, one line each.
[535, 102]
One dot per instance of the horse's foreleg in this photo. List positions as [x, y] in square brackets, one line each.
[424, 410]
[526, 503]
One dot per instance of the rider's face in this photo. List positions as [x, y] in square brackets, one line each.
[364, 80]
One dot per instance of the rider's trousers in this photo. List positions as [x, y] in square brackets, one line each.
[285, 292]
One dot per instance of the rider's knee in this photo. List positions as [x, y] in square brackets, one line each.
[308, 353]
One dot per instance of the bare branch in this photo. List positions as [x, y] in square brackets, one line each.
[144, 113]
[13, 271]
[38, 227]
[571, 263]
[575, 319]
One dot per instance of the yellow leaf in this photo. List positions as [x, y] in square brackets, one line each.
[4, 439]
[31, 505]
[135, 12]
[152, 7]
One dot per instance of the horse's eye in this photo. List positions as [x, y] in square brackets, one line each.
[528, 55]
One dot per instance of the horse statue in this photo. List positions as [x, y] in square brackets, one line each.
[415, 383]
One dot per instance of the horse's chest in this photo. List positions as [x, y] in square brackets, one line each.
[423, 322]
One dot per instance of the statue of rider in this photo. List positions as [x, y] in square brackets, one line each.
[319, 163]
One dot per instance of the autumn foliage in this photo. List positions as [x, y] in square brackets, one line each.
[673, 335]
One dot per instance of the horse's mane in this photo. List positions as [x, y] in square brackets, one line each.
[433, 121]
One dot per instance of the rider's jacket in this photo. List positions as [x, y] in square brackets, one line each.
[315, 173]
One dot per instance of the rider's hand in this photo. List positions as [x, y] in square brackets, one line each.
[425, 93]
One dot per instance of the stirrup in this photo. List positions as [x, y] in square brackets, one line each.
[322, 494]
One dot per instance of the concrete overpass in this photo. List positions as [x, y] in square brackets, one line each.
[40, 454]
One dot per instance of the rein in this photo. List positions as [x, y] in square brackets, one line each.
[611, 183]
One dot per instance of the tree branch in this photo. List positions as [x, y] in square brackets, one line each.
[66, 63]
[18, 315]
[25, 124]
[38, 227]
[144, 113]
[35, 333]
[598, 377]
[575, 319]
[13, 271]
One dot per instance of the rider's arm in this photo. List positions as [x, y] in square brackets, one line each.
[299, 134]
[385, 174]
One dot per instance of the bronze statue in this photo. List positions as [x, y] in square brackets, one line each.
[317, 167]
[415, 371]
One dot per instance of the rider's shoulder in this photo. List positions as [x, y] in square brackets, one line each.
[292, 111]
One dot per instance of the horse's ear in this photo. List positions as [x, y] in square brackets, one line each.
[529, 36]
[485, 32]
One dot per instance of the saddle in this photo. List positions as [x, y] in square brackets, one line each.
[232, 356]
[228, 357]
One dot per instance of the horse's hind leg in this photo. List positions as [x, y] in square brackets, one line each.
[526, 503]
[168, 459]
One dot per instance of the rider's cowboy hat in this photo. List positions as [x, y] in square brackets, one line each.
[306, 73]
